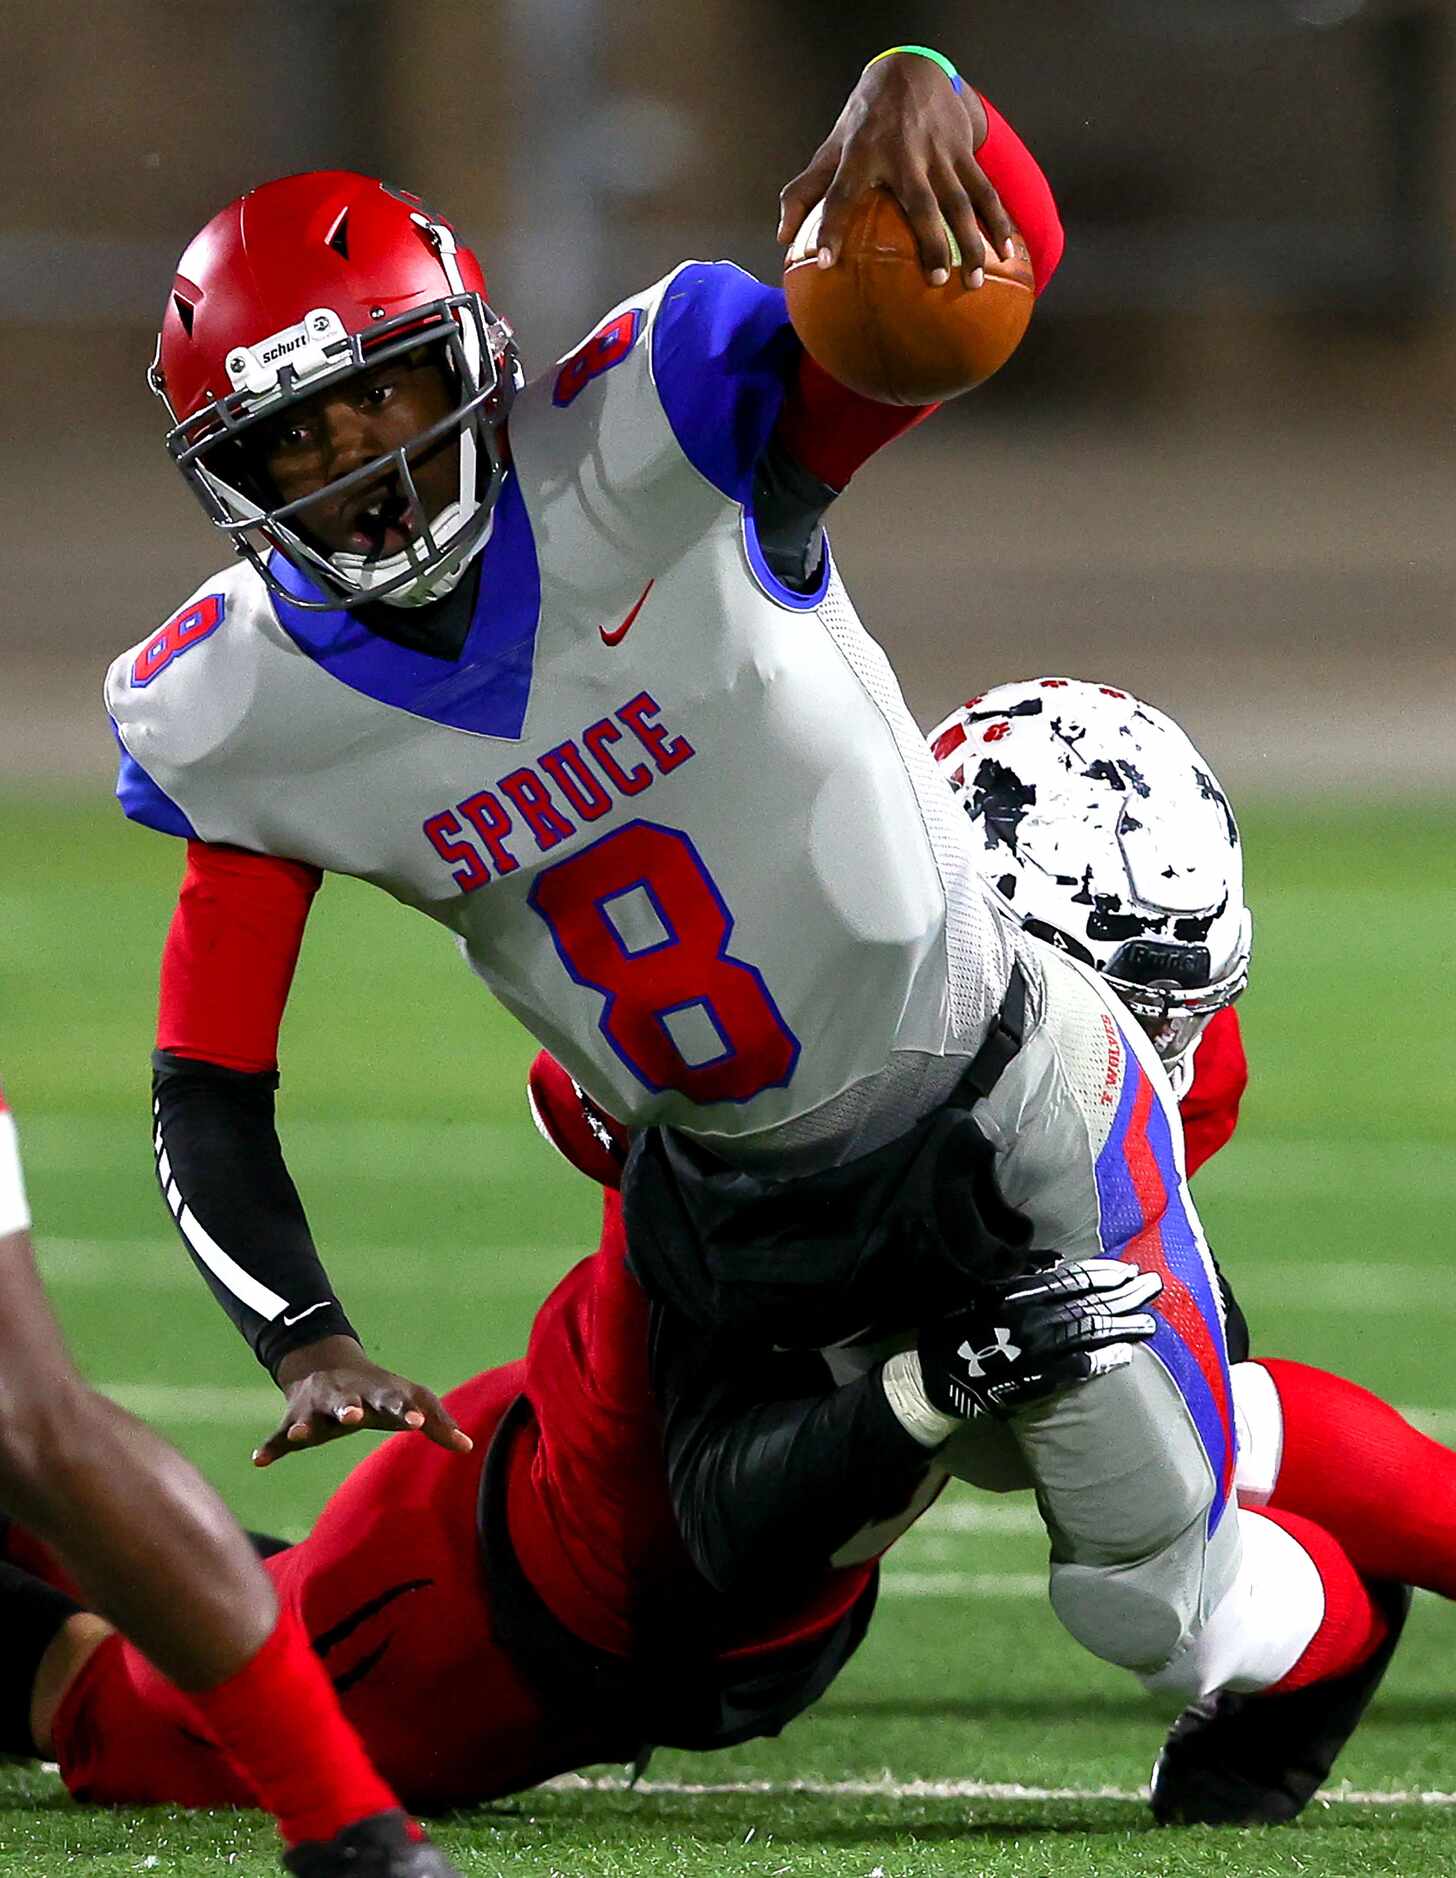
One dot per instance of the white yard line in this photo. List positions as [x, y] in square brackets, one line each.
[896, 1582]
[1322, 1166]
[954, 1512]
[221, 1402]
[194, 1402]
[1368, 1289]
[1363, 1287]
[484, 1270]
[1438, 1423]
[888, 1788]
[476, 1152]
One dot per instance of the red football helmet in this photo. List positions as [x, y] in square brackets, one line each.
[296, 285]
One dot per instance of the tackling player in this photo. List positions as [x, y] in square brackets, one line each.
[496, 1592]
[160, 1554]
[568, 667]
[536, 1602]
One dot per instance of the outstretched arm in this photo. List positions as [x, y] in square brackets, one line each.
[226, 972]
[911, 125]
[941, 152]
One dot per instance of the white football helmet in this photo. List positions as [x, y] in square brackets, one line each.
[1101, 828]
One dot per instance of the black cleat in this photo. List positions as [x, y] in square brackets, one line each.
[1258, 1760]
[377, 1847]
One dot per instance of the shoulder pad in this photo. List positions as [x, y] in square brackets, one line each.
[164, 713]
[694, 367]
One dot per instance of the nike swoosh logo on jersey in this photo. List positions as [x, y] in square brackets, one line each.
[616, 638]
[298, 1318]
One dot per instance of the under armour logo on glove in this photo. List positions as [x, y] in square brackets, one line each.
[1027, 1338]
[975, 1360]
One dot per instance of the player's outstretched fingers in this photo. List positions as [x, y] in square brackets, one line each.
[918, 200]
[299, 1429]
[387, 1406]
[799, 195]
[435, 1422]
[843, 193]
[960, 215]
[322, 1407]
[333, 1389]
[990, 211]
[395, 1405]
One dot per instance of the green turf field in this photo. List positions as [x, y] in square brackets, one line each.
[445, 1220]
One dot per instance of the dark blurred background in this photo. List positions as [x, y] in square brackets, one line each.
[1220, 471]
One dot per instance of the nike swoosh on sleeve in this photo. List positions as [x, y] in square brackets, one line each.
[616, 638]
[299, 1316]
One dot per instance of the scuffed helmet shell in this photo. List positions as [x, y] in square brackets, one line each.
[1094, 815]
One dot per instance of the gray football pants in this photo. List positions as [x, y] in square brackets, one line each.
[1133, 1471]
[1125, 1490]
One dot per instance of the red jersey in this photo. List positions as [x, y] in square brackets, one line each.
[1210, 1110]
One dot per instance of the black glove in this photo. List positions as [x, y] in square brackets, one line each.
[1030, 1337]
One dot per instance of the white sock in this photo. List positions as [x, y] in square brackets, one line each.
[1260, 1418]
[1263, 1625]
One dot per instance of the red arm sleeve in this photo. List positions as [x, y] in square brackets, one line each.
[230, 955]
[831, 431]
[1024, 191]
[1210, 1110]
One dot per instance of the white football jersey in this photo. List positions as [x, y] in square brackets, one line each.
[677, 816]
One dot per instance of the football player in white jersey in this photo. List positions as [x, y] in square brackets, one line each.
[569, 668]
[649, 516]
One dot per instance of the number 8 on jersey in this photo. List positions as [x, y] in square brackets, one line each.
[637, 917]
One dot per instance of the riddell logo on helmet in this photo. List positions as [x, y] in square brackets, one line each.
[305, 347]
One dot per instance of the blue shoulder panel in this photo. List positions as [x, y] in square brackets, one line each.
[488, 687]
[142, 801]
[722, 351]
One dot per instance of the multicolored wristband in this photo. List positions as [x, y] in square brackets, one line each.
[924, 52]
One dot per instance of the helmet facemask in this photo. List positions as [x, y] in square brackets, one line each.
[1170, 988]
[217, 451]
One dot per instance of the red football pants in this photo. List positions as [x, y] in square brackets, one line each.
[389, 1587]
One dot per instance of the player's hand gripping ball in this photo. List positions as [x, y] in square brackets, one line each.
[874, 321]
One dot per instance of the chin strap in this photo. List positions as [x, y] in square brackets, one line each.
[364, 573]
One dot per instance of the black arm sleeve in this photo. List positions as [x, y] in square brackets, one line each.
[788, 513]
[222, 1174]
[771, 1467]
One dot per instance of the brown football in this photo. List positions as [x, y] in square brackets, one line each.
[874, 322]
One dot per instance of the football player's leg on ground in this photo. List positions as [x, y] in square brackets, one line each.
[104, 1490]
[389, 1587]
[1134, 1470]
[154, 1546]
[1126, 1491]
[1136, 1574]
[1318, 1445]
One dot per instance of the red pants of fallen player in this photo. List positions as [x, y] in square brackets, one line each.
[390, 1585]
